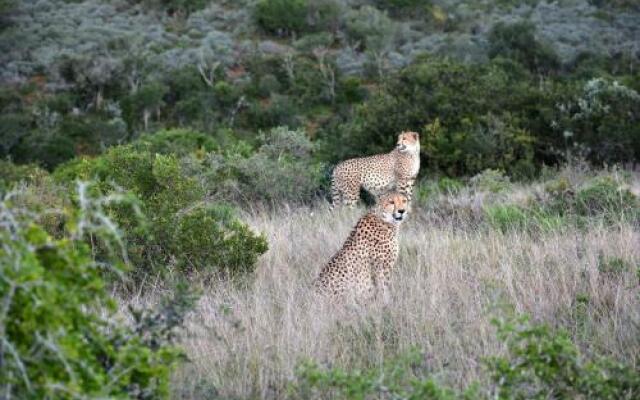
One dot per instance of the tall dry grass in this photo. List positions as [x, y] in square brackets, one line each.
[245, 341]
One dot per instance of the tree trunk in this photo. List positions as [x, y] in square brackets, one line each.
[99, 98]
[145, 117]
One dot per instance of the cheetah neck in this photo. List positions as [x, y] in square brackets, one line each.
[407, 155]
[391, 227]
[407, 162]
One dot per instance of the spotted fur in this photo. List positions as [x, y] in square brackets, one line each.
[379, 173]
[362, 267]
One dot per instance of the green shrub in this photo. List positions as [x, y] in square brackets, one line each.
[558, 186]
[604, 196]
[308, 43]
[472, 117]
[370, 27]
[325, 15]
[296, 17]
[281, 170]
[518, 42]
[395, 379]
[542, 363]
[613, 267]
[603, 116]
[277, 111]
[630, 4]
[10, 174]
[428, 189]
[599, 199]
[61, 335]
[351, 90]
[284, 17]
[516, 3]
[507, 217]
[491, 180]
[510, 217]
[14, 127]
[449, 185]
[179, 142]
[185, 6]
[211, 236]
[140, 107]
[174, 235]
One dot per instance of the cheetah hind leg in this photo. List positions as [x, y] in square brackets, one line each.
[344, 196]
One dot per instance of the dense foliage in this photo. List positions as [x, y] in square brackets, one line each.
[182, 230]
[60, 335]
[351, 75]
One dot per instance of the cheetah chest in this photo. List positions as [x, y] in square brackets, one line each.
[408, 168]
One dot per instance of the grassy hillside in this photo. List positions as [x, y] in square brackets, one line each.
[531, 79]
[462, 265]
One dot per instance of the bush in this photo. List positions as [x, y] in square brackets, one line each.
[395, 379]
[604, 116]
[471, 116]
[507, 217]
[14, 127]
[427, 189]
[212, 236]
[449, 185]
[325, 15]
[281, 170]
[542, 364]
[10, 174]
[184, 6]
[518, 42]
[604, 196]
[491, 180]
[511, 217]
[172, 196]
[282, 17]
[372, 28]
[179, 142]
[61, 336]
[612, 266]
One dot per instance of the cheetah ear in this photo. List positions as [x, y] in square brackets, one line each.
[415, 136]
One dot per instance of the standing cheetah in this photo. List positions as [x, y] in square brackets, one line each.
[379, 173]
[361, 268]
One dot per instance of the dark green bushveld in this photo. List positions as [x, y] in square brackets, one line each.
[136, 134]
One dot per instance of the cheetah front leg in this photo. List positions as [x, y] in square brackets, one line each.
[350, 195]
[336, 195]
[382, 278]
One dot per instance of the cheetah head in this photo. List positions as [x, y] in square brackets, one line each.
[408, 142]
[392, 207]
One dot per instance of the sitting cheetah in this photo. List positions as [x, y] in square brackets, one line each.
[361, 268]
[379, 173]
